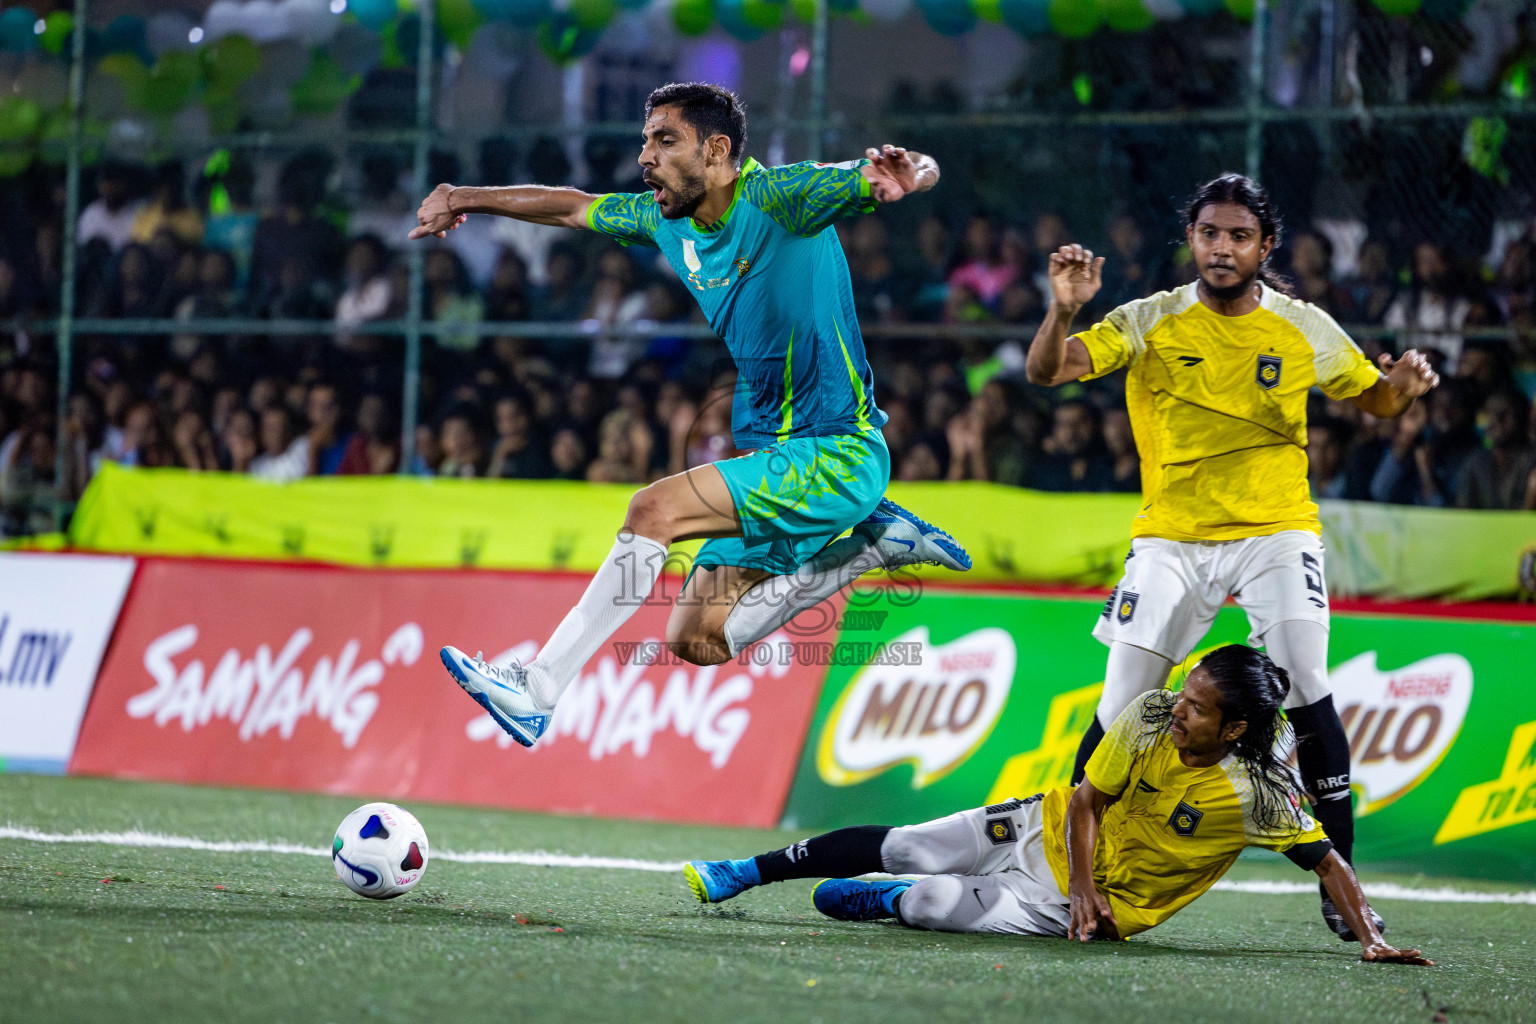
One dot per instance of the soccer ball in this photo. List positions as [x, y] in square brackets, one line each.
[380, 851]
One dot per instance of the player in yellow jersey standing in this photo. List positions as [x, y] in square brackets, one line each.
[1180, 785]
[1219, 372]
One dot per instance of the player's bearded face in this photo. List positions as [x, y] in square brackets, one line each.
[673, 164]
[1229, 250]
[1197, 725]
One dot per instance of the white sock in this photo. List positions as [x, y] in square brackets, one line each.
[776, 600]
[615, 593]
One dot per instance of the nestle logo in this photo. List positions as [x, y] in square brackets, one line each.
[1410, 687]
[970, 661]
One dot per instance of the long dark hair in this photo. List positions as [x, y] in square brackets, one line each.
[1252, 689]
[1241, 190]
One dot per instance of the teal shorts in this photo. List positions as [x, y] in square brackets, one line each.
[795, 497]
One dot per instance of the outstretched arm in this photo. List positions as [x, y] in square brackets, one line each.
[893, 172]
[1402, 381]
[447, 205]
[1344, 889]
[1056, 357]
[1091, 916]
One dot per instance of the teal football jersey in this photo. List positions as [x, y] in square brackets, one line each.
[771, 278]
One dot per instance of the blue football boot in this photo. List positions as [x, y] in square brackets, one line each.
[904, 539]
[849, 899]
[503, 691]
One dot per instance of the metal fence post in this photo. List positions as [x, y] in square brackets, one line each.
[411, 379]
[1254, 154]
[818, 82]
[64, 340]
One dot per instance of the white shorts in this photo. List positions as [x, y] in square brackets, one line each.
[999, 849]
[1172, 589]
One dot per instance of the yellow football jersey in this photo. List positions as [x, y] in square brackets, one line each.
[1218, 405]
[1174, 830]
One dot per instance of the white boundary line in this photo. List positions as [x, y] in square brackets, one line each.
[540, 858]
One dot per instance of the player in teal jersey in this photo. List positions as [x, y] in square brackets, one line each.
[755, 248]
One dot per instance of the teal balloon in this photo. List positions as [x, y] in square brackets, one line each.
[18, 32]
[127, 34]
[1446, 10]
[1027, 17]
[1202, 8]
[749, 19]
[374, 14]
[524, 13]
[632, 5]
[949, 17]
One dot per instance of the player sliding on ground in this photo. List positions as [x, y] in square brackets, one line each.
[1217, 391]
[754, 245]
[1181, 783]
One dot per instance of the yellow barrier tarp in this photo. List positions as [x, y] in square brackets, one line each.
[1014, 535]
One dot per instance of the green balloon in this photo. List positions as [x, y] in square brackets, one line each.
[1076, 19]
[1242, 10]
[56, 29]
[1398, 8]
[324, 85]
[20, 118]
[1129, 15]
[563, 40]
[593, 15]
[170, 85]
[749, 19]
[230, 61]
[989, 10]
[693, 17]
[457, 21]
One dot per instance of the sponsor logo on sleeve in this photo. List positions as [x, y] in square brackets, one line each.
[1000, 830]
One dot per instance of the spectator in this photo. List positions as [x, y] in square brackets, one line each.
[568, 454]
[463, 454]
[367, 296]
[980, 445]
[1312, 266]
[237, 442]
[428, 452]
[295, 252]
[328, 443]
[144, 440]
[451, 300]
[168, 209]
[518, 451]
[1130, 270]
[375, 446]
[232, 217]
[928, 282]
[983, 272]
[1326, 439]
[877, 290]
[927, 458]
[1074, 459]
[1367, 294]
[623, 450]
[193, 442]
[110, 217]
[137, 293]
[562, 298]
[1515, 286]
[284, 452]
[1495, 476]
[508, 298]
[1433, 311]
[1120, 442]
[214, 299]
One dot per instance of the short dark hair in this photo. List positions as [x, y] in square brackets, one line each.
[711, 109]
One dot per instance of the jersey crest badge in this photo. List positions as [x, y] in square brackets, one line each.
[1185, 819]
[1269, 372]
[691, 257]
[1000, 831]
[1127, 608]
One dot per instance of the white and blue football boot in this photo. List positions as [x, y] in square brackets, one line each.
[850, 899]
[904, 539]
[715, 880]
[503, 691]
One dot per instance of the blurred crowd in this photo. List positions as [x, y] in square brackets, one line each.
[177, 244]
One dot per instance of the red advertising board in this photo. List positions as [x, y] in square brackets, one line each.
[327, 679]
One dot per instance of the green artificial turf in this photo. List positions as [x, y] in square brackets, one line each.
[94, 932]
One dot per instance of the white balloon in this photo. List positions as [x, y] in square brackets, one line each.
[886, 10]
[168, 32]
[265, 22]
[1165, 10]
[224, 18]
[311, 21]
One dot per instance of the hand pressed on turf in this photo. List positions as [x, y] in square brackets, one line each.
[1091, 917]
[1380, 952]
